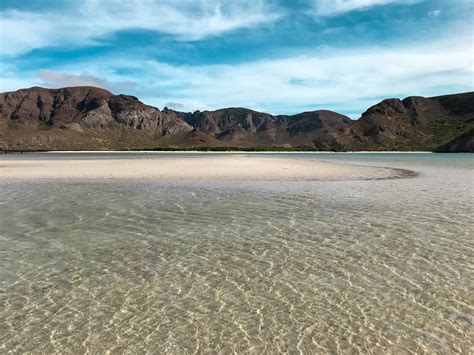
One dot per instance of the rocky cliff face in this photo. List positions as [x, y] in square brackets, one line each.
[412, 123]
[87, 107]
[88, 118]
[242, 126]
[79, 117]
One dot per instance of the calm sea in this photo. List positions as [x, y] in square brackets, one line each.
[384, 266]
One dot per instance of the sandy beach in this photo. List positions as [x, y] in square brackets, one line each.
[235, 167]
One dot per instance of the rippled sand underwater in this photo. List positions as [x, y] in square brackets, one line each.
[377, 267]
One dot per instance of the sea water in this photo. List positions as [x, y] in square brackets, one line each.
[157, 266]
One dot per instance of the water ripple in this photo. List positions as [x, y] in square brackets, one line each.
[310, 267]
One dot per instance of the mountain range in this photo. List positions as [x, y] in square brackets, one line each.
[90, 118]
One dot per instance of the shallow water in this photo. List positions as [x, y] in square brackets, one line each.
[381, 266]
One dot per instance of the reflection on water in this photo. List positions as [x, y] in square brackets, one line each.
[182, 267]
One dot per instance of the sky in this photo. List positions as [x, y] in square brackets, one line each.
[276, 56]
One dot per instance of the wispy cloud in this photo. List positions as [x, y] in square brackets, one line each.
[338, 7]
[434, 13]
[22, 31]
[54, 79]
[327, 80]
[345, 64]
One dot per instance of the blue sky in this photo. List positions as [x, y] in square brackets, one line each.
[278, 56]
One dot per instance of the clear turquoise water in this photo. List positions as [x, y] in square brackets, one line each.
[412, 159]
[381, 266]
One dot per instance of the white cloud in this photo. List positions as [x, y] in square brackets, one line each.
[349, 80]
[338, 7]
[189, 20]
[331, 80]
[55, 79]
[434, 13]
[23, 31]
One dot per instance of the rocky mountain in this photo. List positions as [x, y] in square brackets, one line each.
[88, 118]
[415, 123]
[244, 127]
[81, 118]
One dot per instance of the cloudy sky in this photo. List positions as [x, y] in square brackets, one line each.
[278, 56]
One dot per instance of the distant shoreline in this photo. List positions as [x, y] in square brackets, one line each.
[215, 152]
[290, 151]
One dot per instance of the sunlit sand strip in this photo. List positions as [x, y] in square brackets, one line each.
[196, 168]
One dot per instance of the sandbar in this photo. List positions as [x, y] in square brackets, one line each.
[233, 167]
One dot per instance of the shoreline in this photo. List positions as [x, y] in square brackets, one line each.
[221, 152]
[237, 167]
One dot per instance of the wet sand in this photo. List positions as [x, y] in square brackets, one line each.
[236, 167]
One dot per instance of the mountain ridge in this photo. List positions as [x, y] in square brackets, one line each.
[89, 118]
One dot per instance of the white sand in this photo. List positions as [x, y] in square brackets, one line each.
[235, 167]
